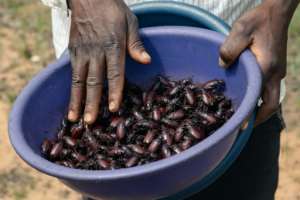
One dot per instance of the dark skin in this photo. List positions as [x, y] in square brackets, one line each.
[102, 31]
[264, 30]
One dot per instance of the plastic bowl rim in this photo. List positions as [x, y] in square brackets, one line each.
[38, 162]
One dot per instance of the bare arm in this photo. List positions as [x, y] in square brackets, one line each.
[265, 31]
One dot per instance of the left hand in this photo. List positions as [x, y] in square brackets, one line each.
[265, 32]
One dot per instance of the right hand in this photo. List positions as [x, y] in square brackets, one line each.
[264, 30]
[101, 32]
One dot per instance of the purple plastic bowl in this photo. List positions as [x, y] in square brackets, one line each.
[177, 52]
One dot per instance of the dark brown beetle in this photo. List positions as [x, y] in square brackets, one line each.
[121, 130]
[56, 150]
[154, 146]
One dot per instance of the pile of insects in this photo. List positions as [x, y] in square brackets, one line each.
[168, 118]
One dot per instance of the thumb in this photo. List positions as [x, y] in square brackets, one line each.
[134, 44]
[237, 41]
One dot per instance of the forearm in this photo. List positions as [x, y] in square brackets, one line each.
[284, 8]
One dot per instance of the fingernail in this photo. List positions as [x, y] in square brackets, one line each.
[112, 106]
[87, 117]
[71, 115]
[222, 63]
[146, 56]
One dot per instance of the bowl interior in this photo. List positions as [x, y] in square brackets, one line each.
[177, 52]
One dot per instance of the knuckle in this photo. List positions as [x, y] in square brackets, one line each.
[113, 74]
[73, 43]
[73, 52]
[93, 81]
[77, 81]
[112, 43]
[242, 28]
[72, 47]
[136, 44]
[75, 46]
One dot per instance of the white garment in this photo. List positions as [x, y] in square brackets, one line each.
[228, 10]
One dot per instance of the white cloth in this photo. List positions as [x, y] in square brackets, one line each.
[228, 10]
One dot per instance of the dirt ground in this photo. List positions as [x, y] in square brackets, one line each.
[25, 47]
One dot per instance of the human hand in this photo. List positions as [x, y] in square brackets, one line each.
[101, 32]
[265, 31]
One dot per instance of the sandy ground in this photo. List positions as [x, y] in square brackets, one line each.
[18, 180]
[25, 40]
[289, 184]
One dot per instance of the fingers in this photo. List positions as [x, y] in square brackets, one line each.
[237, 41]
[94, 86]
[270, 99]
[134, 45]
[115, 61]
[79, 71]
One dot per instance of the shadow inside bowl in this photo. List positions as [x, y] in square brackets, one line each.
[177, 52]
